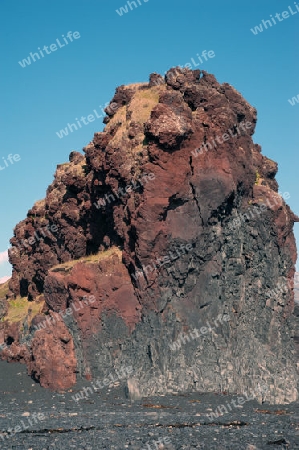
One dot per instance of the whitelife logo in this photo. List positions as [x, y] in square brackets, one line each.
[265, 23]
[53, 47]
[71, 127]
[294, 100]
[124, 9]
[11, 158]
[11, 432]
[225, 137]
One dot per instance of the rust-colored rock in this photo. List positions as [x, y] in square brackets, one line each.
[175, 167]
[53, 362]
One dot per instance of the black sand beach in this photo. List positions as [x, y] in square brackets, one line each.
[108, 420]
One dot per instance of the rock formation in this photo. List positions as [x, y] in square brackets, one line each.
[170, 223]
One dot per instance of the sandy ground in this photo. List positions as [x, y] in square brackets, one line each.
[106, 419]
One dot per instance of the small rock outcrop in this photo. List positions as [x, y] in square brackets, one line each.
[161, 248]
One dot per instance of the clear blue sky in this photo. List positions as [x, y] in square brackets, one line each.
[40, 99]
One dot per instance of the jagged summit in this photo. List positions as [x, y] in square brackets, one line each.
[170, 220]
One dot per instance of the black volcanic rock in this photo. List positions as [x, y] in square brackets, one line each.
[170, 222]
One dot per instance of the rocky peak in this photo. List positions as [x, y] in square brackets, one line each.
[171, 219]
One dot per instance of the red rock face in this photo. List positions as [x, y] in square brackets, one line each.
[175, 167]
[53, 362]
[91, 290]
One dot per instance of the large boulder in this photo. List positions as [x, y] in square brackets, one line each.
[172, 223]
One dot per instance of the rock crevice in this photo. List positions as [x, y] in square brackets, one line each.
[112, 236]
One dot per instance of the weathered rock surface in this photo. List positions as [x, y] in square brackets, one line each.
[106, 420]
[142, 193]
[53, 361]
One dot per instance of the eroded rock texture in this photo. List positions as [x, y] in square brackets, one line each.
[143, 192]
